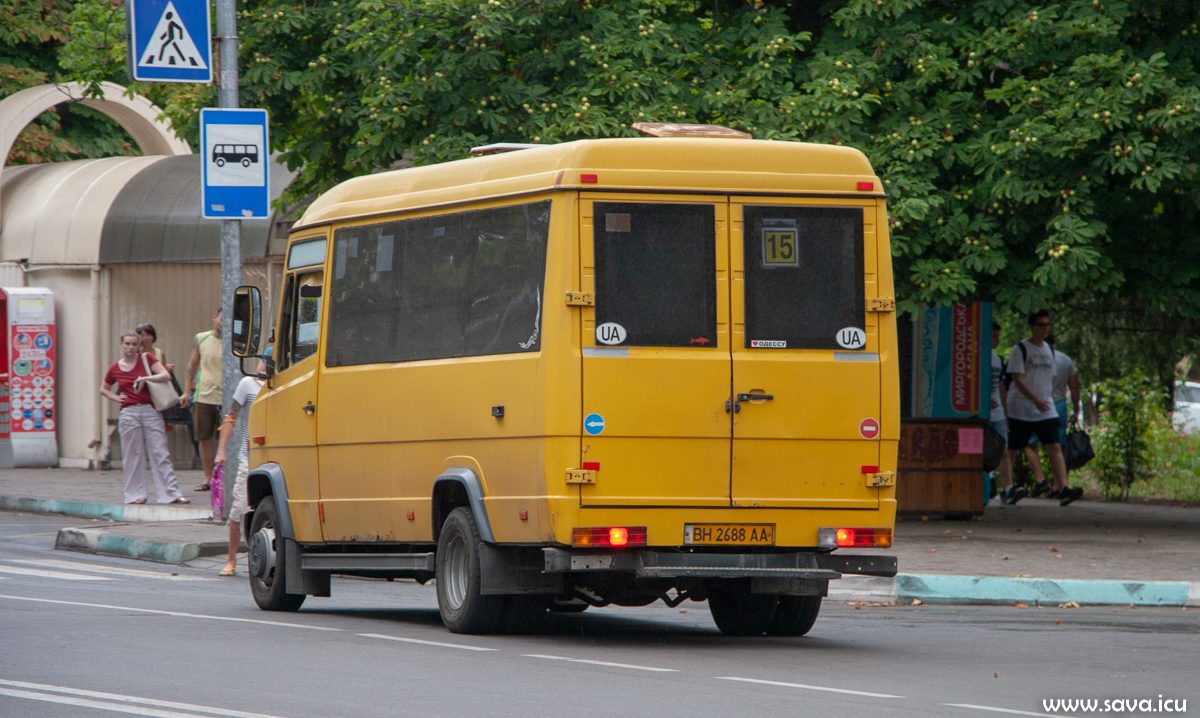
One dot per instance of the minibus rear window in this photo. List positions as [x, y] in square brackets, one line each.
[656, 272]
[451, 285]
[804, 275]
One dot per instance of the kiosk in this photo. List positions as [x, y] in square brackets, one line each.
[28, 344]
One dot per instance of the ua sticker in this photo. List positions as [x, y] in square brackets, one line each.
[851, 338]
[611, 333]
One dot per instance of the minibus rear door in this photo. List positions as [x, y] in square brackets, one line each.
[656, 362]
[806, 376]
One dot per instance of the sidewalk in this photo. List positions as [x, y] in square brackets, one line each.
[1036, 552]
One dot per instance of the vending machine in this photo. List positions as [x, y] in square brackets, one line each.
[29, 346]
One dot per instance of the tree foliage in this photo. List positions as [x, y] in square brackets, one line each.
[1035, 154]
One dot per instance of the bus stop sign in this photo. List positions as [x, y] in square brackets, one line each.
[235, 162]
[169, 40]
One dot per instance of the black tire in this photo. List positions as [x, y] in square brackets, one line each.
[794, 616]
[523, 614]
[463, 607]
[245, 162]
[220, 162]
[737, 612]
[267, 569]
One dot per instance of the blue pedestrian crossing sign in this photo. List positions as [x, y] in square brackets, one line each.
[169, 40]
[235, 162]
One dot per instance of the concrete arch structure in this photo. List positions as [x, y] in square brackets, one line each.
[136, 115]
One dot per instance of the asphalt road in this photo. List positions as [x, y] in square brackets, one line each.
[86, 636]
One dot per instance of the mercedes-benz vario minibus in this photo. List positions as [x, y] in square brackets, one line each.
[600, 372]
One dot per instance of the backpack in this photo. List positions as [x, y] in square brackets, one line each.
[1008, 378]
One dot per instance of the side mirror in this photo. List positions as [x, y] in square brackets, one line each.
[247, 321]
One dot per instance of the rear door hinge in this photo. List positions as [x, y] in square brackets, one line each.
[883, 478]
[881, 304]
[581, 476]
[580, 299]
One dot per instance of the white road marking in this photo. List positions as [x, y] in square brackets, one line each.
[425, 643]
[807, 687]
[130, 699]
[177, 614]
[601, 663]
[51, 574]
[115, 570]
[1002, 710]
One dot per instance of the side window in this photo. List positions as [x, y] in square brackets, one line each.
[301, 319]
[803, 274]
[461, 284]
[656, 268]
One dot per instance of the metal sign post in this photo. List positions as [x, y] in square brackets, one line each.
[231, 229]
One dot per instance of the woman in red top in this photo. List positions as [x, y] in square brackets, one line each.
[142, 429]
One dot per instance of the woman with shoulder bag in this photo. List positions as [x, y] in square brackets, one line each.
[142, 429]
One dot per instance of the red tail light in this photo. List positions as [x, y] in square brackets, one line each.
[852, 538]
[609, 536]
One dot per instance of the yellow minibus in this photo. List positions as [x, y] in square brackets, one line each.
[600, 372]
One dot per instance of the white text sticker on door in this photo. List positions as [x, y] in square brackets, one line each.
[851, 338]
[610, 333]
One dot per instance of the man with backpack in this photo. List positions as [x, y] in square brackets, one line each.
[1031, 406]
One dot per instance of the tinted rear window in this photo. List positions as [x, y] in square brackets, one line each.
[804, 274]
[656, 272]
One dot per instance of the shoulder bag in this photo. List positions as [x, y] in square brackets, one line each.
[162, 394]
[1078, 450]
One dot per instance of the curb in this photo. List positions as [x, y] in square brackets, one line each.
[100, 540]
[135, 513]
[1001, 590]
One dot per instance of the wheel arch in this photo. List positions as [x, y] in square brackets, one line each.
[460, 486]
[263, 481]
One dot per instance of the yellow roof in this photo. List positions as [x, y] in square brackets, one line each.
[659, 164]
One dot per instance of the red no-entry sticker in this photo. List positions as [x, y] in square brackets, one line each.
[869, 428]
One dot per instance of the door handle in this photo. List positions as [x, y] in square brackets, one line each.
[309, 408]
[755, 397]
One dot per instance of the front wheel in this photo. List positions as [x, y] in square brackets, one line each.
[267, 569]
[737, 612]
[463, 606]
[794, 616]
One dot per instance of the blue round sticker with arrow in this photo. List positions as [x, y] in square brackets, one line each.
[593, 424]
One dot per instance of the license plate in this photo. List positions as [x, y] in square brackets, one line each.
[724, 534]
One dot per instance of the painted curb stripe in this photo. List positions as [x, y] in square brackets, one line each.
[931, 588]
[139, 513]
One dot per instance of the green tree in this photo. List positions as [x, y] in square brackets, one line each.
[1036, 154]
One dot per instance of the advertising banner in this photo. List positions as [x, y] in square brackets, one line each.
[951, 369]
[31, 381]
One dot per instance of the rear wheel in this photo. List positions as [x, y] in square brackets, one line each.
[794, 616]
[463, 607]
[737, 612]
[267, 569]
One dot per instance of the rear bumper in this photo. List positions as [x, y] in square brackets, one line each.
[662, 564]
